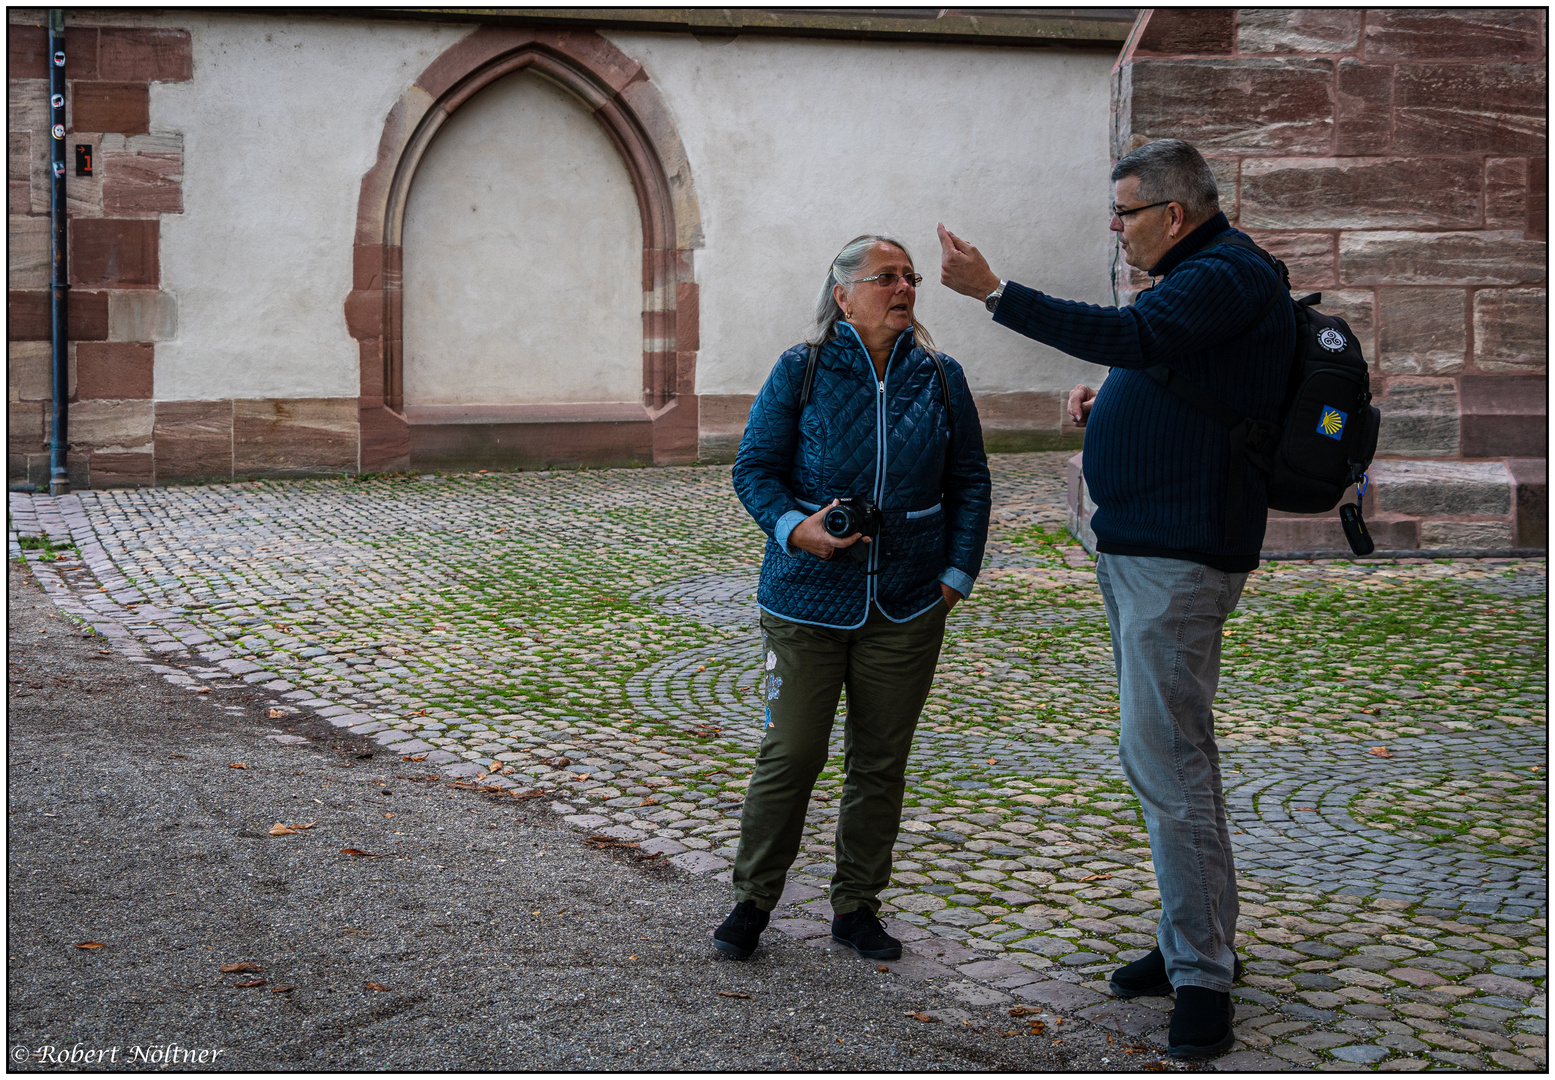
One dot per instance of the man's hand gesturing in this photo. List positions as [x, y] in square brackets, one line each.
[962, 267]
[1081, 398]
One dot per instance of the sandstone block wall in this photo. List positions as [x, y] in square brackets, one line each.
[117, 312]
[1396, 160]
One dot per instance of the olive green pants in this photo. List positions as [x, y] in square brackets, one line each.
[887, 668]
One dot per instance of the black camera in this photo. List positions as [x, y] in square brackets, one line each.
[854, 514]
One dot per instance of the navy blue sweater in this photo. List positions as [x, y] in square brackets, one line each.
[1154, 464]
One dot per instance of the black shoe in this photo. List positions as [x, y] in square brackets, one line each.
[1146, 977]
[738, 935]
[1201, 1023]
[864, 933]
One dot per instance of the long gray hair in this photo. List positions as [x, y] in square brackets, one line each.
[844, 270]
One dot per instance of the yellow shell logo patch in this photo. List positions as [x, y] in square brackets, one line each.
[1332, 422]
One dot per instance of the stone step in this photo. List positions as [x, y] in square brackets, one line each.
[1410, 505]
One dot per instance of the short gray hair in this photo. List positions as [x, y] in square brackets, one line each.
[1171, 170]
[844, 271]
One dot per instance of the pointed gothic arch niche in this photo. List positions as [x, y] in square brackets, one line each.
[662, 429]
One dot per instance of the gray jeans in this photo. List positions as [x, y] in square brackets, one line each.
[1166, 617]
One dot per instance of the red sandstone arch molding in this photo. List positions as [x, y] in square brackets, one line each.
[616, 90]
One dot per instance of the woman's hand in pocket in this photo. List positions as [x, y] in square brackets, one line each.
[952, 598]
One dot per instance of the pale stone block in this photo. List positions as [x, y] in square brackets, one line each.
[1466, 534]
[30, 370]
[142, 315]
[1442, 488]
[1423, 331]
[27, 253]
[118, 427]
[1419, 417]
[1445, 258]
[1298, 30]
[1510, 329]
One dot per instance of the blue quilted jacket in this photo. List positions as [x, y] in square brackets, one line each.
[889, 440]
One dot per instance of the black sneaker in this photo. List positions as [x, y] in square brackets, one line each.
[738, 935]
[1201, 1023]
[864, 933]
[1146, 977]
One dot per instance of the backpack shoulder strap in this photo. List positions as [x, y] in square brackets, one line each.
[808, 383]
[944, 387]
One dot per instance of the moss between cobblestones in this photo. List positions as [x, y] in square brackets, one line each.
[1382, 724]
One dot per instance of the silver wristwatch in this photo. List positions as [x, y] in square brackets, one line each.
[991, 301]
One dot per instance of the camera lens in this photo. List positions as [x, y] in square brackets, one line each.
[839, 521]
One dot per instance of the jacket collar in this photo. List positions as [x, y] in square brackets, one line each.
[1191, 245]
[847, 336]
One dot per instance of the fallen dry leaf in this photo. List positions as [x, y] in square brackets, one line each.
[1310, 809]
[1096, 877]
[608, 842]
[180, 757]
[360, 852]
[236, 765]
[91, 945]
[993, 761]
[925, 1017]
[649, 801]
[242, 966]
[275, 714]
[387, 815]
[1380, 751]
[882, 967]
[725, 993]
[647, 854]
[249, 983]
[1021, 1010]
[281, 989]
[203, 690]
[281, 830]
[413, 757]
[309, 825]
[377, 986]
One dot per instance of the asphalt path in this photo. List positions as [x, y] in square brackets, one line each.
[473, 933]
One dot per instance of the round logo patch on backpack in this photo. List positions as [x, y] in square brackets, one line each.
[1332, 340]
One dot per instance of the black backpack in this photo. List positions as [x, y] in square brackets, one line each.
[1327, 434]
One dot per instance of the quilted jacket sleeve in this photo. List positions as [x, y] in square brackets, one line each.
[968, 489]
[766, 456]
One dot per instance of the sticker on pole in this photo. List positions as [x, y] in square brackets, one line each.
[59, 59]
[59, 131]
[57, 101]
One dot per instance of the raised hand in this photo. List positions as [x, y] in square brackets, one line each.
[962, 267]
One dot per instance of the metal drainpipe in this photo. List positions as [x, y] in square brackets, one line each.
[59, 281]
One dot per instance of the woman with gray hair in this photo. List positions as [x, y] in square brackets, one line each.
[863, 463]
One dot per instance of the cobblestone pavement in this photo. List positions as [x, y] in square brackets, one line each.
[592, 634]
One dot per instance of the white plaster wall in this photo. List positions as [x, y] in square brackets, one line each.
[798, 145]
[280, 122]
[523, 257]
[795, 145]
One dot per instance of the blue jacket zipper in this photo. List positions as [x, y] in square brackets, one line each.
[872, 566]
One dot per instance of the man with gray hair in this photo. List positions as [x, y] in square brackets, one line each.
[1179, 522]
